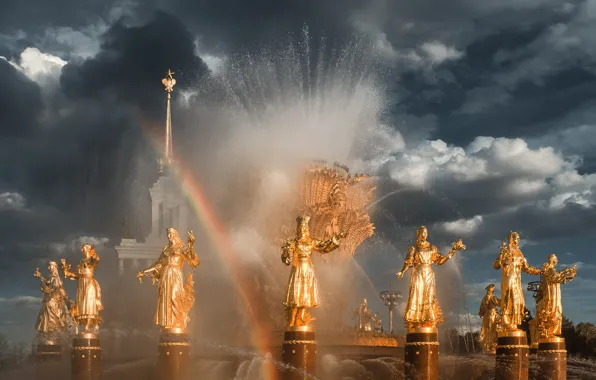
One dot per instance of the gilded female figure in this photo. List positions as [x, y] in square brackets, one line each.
[87, 305]
[364, 315]
[549, 308]
[302, 291]
[52, 316]
[175, 298]
[512, 262]
[490, 319]
[423, 308]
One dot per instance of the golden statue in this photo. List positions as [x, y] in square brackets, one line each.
[52, 317]
[549, 308]
[302, 292]
[512, 262]
[490, 320]
[364, 315]
[174, 298]
[87, 305]
[377, 323]
[423, 308]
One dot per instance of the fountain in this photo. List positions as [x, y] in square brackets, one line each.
[330, 115]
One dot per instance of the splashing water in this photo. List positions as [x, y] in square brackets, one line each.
[261, 119]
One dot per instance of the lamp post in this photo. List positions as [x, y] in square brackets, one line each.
[390, 299]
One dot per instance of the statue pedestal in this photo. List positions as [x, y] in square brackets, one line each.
[48, 352]
[422, 354]
[534, 348]
[86, 357]
[299, 353]
[552, 359]
[173, 354]
[512, 356]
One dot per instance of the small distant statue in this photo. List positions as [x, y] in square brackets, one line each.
[52, 318]
[364, 317]
[175, 298]
[490, 320]
[423, 308]
[549, 308]
[377, 323]
[512, 262]
[87, 305]
[302, 292]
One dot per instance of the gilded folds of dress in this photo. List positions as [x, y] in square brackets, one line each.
[52, 316]
[512, 262]
[302, 290]
[88, 299]
[490, 319]
[423, 306]
[549, 308]
[174, 300]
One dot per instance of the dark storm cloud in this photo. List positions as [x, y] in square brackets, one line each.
[237, 24]
[79, 166]
[16, 16]
[130, 60]
[529, 111]
[20, 102]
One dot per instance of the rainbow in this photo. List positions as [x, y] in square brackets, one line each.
[261, 338]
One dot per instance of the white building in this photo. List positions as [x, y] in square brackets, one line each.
[168, 208]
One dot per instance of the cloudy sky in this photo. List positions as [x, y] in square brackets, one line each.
[483, 114]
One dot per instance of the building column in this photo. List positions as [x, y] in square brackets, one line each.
[121, 267]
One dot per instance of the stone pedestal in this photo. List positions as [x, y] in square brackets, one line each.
[299, 353]
[48, 352]
[173, 354]
[422, 354]
[86, 357]
[552, 359]
[512, 356]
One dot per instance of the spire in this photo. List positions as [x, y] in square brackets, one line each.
[169, 82]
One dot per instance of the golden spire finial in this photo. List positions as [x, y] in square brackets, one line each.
[169, 82]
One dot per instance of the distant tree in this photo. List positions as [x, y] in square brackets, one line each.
[572, 341]
[4, 351]
[587, 331]
[11, 355]
[587, 334]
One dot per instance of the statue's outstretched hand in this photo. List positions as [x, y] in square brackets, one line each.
[191, 239]
[459, 245]
[140, 276]
[400, 275]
